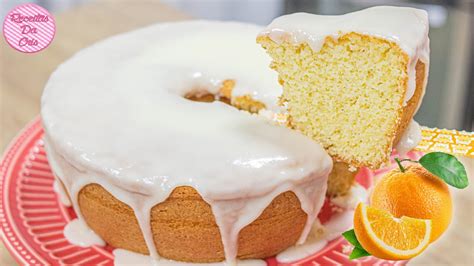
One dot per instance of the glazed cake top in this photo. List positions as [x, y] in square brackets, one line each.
[115, 115]
[117, 109]
[406, 26]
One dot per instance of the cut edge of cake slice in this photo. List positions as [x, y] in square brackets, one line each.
[353, 92]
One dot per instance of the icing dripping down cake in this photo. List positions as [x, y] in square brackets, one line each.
[161, 139]
[154, 168]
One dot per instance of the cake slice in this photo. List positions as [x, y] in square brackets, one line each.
[351, 82]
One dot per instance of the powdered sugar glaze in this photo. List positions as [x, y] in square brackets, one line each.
[114, 114]
[408, 27]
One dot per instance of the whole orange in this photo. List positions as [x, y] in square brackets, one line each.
[415, 193]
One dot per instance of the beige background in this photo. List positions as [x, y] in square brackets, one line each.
[23, 77]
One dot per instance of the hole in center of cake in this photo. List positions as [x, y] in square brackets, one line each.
[204, 96]
[224, 94]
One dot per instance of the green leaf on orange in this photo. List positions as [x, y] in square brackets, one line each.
[446, 167]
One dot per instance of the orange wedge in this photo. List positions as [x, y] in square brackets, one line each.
[387, 237]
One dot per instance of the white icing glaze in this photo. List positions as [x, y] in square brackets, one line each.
[408, 27]
[62, 195]
[320, 235]
[338, 224]
[114, 114]
[126, 258]
[313, 243]
[78, 233]
[410, 138]
[356, 194]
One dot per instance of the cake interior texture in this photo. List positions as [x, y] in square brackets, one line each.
[349, 95]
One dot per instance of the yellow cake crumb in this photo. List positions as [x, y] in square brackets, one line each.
[348, 96]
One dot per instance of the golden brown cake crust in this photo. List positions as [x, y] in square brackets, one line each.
[184, 228]
[412, 104]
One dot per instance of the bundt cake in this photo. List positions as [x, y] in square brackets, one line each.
[170, 140]
[157, 158]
